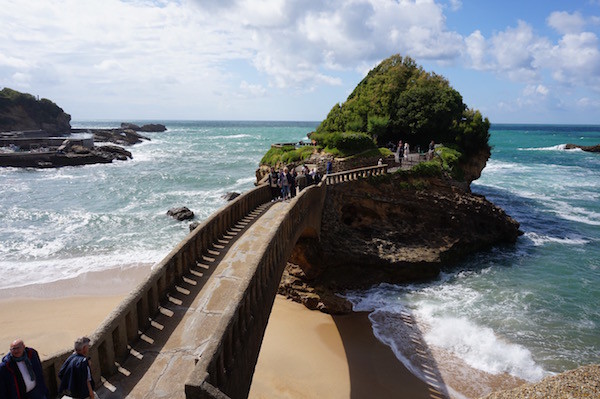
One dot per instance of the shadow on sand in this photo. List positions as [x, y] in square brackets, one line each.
[374, 369]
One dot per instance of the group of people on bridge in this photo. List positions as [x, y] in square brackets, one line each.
[286, 183]
[22, 377]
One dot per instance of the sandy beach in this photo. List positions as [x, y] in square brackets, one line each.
[49, 317]
[309, 354]
[305, 354]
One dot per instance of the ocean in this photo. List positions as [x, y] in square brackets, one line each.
[526, 310]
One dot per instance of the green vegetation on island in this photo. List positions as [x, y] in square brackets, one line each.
[398, 100]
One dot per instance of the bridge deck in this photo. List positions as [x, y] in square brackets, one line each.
[166, 353]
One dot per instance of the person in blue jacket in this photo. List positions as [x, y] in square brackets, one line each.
[75, 374]
[21, 375]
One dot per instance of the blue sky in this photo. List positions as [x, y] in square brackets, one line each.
[516, 61]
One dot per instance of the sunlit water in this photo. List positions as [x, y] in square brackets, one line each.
[528, 309]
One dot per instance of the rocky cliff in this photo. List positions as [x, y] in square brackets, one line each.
[21, 111]
[395, 228]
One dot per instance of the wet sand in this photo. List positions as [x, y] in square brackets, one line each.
[309, 354]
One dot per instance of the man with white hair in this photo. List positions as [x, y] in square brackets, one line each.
[21, 375]
[75, 375]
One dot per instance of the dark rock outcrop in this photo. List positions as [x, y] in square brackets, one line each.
[150, 127]
[193, 225]
[67, 154]
[231, 196]
[587, 148]
[117, 136]
[22, 111]
[395, 228]
[182, 213]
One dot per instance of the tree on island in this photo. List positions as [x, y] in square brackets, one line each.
[398, 100]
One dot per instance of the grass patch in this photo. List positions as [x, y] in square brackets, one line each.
[286, 155]
[344, 144]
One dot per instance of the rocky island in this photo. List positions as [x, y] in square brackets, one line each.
[403, 226]
[406, 225]
[37, 133]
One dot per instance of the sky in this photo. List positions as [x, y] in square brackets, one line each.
[293, 60]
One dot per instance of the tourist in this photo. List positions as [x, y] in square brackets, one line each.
[75, 374]
[380, 162]
[273, 184]
[293, 177]
[398, 151]
[21, 375]
[316, 176]
[284, 183]
[406, 150]
[304, 169]
[329, 167]
[431, 150]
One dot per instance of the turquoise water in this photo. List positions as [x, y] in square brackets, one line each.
[528, 309]
[58, 223]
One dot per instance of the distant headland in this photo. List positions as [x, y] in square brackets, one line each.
[37, 133]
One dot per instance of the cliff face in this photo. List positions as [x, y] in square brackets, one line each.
[473, 166]
[21, 111]
[394, 229]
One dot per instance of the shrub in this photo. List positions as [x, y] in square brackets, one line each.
[429, 168]
[286, 155]
[344, 143]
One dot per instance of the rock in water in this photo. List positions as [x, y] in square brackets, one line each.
[588, 148]
[231, 195]
[181, 213]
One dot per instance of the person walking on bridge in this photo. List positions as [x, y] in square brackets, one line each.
[75, 374]
[274, 184]
[21, 374]
[285, 182]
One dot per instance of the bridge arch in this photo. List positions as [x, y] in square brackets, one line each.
[234, 298]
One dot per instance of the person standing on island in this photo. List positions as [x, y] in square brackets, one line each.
[21, 375]
[75, 374]
[431, 149]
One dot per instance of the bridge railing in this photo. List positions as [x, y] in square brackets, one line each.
[354, 174]
[227, 363]
[111, 341]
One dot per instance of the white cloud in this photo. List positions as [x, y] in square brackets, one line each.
[536, 90]
[563, 22]
[252, 90]
[169, 46]
[586, 102]
[455, 5]
[522, 56]
[174, 55]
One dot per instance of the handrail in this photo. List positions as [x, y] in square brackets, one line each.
[125, 323]
[355, 174]
[226, 366]
[227, 362]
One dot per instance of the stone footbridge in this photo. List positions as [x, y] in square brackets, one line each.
[194, 327]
